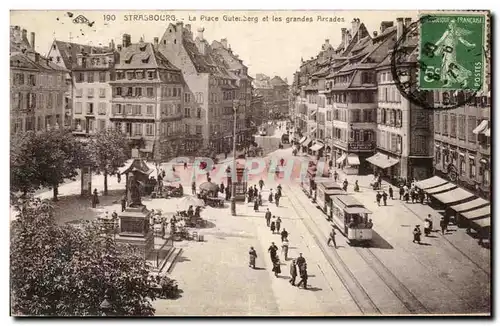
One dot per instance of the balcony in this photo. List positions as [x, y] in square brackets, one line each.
[361, 146]
[123, 115]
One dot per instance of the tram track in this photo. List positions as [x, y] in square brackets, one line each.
[346, 277]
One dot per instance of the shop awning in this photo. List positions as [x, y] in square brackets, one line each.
[357, 210]
[487, 132]
[353, 159]
[341, 159]
[483, 125]
[317, 147]
[453, 196]
[303, 139]
[433, 182]
[480, 212]
[440, 189]
[483, 222]
[307, 142]
[382, 161]
[475, 203]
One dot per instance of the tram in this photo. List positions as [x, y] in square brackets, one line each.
[324, 190]
[352, 219]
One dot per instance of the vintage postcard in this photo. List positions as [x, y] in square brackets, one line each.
[250, 163]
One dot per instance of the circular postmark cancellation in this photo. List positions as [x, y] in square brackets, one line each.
[446, 61]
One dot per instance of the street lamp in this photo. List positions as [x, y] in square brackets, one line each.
[233, 186]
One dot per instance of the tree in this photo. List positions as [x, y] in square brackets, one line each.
[44, 159]
[62, 270]
[109, 152]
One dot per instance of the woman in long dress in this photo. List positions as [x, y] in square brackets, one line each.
[451, 71]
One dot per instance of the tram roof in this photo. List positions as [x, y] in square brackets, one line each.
[329, 185]
[348, 201]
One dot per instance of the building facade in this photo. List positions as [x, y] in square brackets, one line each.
[147, 101]
[280, 96]
[37, 87]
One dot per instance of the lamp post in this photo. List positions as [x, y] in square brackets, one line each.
[233, 186]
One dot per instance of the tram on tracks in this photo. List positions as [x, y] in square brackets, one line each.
[324, 191]
[352, 219]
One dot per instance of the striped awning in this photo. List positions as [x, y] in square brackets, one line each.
[440, 189]
[482, 126]
[433, 182]
[342, 158]
[480, 212]
[476, 203]
[453, 196]
[353, 159]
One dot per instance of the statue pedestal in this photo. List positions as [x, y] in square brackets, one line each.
[134, 229]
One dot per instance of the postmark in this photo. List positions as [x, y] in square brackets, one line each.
[409, 66]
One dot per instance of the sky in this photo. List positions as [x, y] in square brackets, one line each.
[273, 47]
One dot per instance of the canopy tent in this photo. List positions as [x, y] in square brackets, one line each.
[382, 161]
[473, 204]
[483, 222]
[303, 139]
[136, 165]
[185, 202]
[307, 142]
[341, 158]
[453, 196]
[480, 212]
[353, 159]
[209, 186]
[483, 125]
[433, 182]
[440, 189]
[317, 147]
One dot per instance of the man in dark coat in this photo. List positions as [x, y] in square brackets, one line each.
[332, 238]
[443, 225]
[300, 261]
[123, 201]
[416, 234]
[273, 249]
[284, 235]
[384, 197]
[95, 199]
[221, 187]
[303, 275]
[378, 196]
[277, 199]
[293, 272]
[391, 193]
[261, 184]
[268, 218]
[401, 192]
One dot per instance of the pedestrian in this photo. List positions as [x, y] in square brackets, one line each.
[278, 190]
[256, 205]
[270, 198]
[273, 249]
[276, 267]
[332, 238]
[95, 199]
[261, 184]
[260, 198]
[284, 248]
[378, 196]
[250, 194]
[421, 196]
[412, 195]
[124, 202]
[384, 197]
[277, 199]
[221, 187]
[253, 255]
[401, 192]
[446, 220]
[268, 218]
[255, 190]
[303, 276]
[356, 186]
[185, 165]
[118, 177]
[391, 193]
[379, 179]
[193, 188]
[346, 183]
[293, 272]
[416, 234]
[335, 175]
[284, 234]
[273, 224]
[300, 261]
[163, 174]
[114, 215]
[278, 224]
[427, 227]
[443, 225]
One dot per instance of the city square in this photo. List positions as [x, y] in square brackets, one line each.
[379, 206]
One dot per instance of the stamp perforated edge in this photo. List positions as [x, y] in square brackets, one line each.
[486, 38]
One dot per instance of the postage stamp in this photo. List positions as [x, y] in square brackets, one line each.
[452, 51]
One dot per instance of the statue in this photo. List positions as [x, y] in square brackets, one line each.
[133, 194]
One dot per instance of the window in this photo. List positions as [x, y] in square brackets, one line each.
[437, 154]
[355, 117]
[90, 93]
[174, 92]
[187, 97]
[130, 75]
[138, 91]
[78, 92]
[102, 108]
[102, 124]
[118, 126]
[198, 130]
[102, 76]
[136, 109]
[80, 77]
[461, 166]
[179, 92]
[50, 101]
[31, 80]
[150, 92]
[150, 129]
[461, 126]
[453, 125]
[118, 109]
[471, 125]
[90, 77]
[149, 109]
[78, 107]
[445, 124]
[187, 112]
[130, 91]
[169, 92]
[139, 74]
[137, 129]
[178, 111]
[102, 92]
[187, 129]
[90, 108]
[198, 113]
[151, 75]
[118, 91]
[120, 75]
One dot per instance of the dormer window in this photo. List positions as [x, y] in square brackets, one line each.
[151, 74]
[53, 47]
[143, 48]
[146, 59]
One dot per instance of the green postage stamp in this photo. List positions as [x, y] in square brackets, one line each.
[453, 50]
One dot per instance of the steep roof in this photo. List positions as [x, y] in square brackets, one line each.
[277, 81]
[143, 56]
[199, 61]
[69, 51]
[26, 61]
[18, 42]
[409, 51]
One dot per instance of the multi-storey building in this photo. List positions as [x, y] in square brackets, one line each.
[147, 101]
[280, 96]
[211, 86]
[404, 130]
[264, 89]
[37, 86]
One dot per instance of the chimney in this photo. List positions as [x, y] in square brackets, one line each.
[25, 35]
[126, 40]
[37, 57]
[112, 45]
[119, 47]
[375, 34]
[156, 40]
[32, 41]
[407, 22]
[224, 42]
[200, 33]
[354, 25]
[399, 27]
[347, 39]
[327, 41]
[344, 32]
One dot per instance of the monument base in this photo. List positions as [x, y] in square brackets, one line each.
[134, 229]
